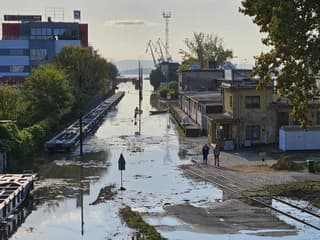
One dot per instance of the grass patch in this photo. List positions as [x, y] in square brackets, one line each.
[135, 221]
[309, 191]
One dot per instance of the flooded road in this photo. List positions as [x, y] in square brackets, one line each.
[152, 180]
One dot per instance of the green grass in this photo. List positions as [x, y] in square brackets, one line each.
[134, 220]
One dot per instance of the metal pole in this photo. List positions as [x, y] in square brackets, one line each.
[121, 180]
[81, 153]
[80, 117]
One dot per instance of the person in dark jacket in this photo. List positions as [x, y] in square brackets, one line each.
[205, 152]
[216, 153]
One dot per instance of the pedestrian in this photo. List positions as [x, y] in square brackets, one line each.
[216, 153]
[205, 152]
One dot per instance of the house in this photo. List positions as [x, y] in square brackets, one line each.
[28, 42]
[247, 116]
[251, 116]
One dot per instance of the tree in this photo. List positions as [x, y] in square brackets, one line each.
[156, 77]
[95, 72]
[47, 93]
[9, 102]
[292, 34]
[206, 49]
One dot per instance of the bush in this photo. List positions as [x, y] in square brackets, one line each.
[26, 141]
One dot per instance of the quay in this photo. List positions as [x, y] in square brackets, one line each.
[191, 129]
[70, 137]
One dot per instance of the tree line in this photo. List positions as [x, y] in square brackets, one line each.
[52, 92]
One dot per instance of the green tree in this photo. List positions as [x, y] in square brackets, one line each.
[206, 48]
[47, 93]
[292, 34]
[9, 102]
[95, 72]
[156, 77]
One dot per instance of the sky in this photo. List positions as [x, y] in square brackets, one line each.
[120, 29]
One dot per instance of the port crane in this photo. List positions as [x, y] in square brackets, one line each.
[161, 45]
[152, 48]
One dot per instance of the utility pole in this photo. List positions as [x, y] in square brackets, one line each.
[140, 95]
[167, 16]
[81, 152]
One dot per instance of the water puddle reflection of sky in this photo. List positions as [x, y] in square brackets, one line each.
[152, 179]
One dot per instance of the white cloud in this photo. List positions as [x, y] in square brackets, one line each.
[127, 22]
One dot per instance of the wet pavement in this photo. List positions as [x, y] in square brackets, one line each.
[152, 180]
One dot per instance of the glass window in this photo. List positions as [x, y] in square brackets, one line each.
[49, 31]
[16, 68]
[230, 101]
[36, 31]
[38, 54]
[252, 101]
[253, 132]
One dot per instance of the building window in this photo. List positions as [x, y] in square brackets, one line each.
[253, 132]
[230, 101]
[38, 54]
[16, 69]
[252, 101]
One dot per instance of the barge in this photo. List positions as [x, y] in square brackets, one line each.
[69, 137]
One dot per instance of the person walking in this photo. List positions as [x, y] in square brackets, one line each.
[205, 152]
[216, 153]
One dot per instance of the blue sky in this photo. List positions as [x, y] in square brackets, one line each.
[120, 29]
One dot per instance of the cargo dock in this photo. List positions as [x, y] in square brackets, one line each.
[69, 137]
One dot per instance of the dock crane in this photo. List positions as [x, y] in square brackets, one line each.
[161, 45]
[153, 49]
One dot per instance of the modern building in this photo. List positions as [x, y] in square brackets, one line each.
[28, 42]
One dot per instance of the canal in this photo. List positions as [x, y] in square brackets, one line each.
[152, 180]
[152, 177]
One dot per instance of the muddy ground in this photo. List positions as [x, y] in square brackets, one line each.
[248, 173]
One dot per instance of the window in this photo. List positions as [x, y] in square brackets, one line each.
[252, 101]
[16, 69]
[230, 101]
[38, 54]
[318, 118]
[253, 132]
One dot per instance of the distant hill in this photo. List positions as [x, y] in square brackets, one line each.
[131, 66]
[136, 71]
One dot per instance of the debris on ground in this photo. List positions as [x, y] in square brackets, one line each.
[106, 193]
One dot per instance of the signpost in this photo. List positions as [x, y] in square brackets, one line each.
[122, 167]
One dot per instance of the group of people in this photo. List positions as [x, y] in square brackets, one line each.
[216, 154]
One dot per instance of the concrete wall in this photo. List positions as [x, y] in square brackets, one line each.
[295, 138]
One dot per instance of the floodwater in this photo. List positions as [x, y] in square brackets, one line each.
[152, 180]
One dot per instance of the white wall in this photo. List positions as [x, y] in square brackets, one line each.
[299, 139]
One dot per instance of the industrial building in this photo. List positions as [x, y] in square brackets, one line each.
[27, 42]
